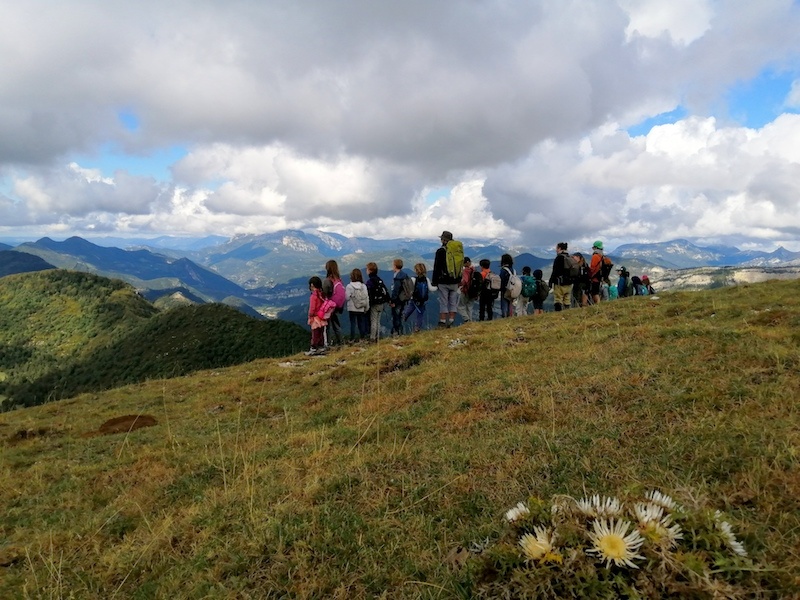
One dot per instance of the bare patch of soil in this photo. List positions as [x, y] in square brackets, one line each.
[126, 424]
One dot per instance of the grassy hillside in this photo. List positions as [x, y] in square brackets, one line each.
[63, 333]
[386, 471]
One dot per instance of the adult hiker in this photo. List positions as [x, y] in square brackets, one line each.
[447, 265]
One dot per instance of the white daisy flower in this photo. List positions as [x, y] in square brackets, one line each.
[647, 512]
[518, 512]
[662, 500]
[597, 506]
[612, 543]
[727, 534]
[538, 544]
[656, 526]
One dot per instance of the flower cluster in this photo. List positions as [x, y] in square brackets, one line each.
[650, 541]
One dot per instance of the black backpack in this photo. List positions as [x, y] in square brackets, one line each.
[475, 285]
[378, 294]
[542, 290]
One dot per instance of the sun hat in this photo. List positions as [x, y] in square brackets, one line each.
[446, 235]
[598, 244]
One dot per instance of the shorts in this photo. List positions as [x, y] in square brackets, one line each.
[448, 297]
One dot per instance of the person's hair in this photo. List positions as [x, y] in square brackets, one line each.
[355, 275]
[332, 269]
[580, 258]
[315, 282]
[537, 274]
[526, 270]
[420, 269]
[398, 263]
[467, 260]
[372, 268]
[485, 263]
[507, 260]
[561, 246]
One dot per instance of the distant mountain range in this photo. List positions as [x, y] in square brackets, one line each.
[683, 254]
[268, 274]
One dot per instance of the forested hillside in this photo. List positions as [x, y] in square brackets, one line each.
[64, 332]
[51, 318]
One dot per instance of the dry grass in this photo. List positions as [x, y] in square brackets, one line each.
[357, 475]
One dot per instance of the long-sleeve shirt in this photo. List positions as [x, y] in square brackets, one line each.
[595, 267]
[560, 274]
[397, 286]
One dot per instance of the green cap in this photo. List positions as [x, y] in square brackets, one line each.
[598, 244]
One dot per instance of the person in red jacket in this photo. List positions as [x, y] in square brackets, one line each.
[316, 323]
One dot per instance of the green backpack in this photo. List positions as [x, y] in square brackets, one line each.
[454, 258]
[528, 286]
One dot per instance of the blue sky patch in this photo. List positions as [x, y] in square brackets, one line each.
[760, 100]
[129, 120]
[664, 118]
[157, 164]
[438, 193]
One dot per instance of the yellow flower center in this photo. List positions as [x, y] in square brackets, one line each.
[613, 546]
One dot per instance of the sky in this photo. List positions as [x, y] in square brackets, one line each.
[527, 121]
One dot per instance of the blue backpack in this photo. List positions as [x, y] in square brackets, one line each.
[420, 295]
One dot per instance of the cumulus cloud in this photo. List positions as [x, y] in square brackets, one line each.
[692, 178]
[74, 192]
[343, 114]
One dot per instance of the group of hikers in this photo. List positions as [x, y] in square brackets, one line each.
[574, 281]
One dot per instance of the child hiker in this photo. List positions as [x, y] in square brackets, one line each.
[314, 320]
[419, 297]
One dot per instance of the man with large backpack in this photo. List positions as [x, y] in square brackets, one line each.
[565, 269]
[447, 266]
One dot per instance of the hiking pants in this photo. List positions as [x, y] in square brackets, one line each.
[375, 321]
[562, 294]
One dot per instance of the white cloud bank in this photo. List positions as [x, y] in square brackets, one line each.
[343, 115]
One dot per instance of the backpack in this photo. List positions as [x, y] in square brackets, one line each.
[360, 298]
[514, 285]
[454, 258]
[326, 310]
[338, 295]
[378, 294]
[406, 289]
[605, 268]
[542, 290]
[572, 267]
[492, 283]
[475, 285]
[420, 295]
[528, 286]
